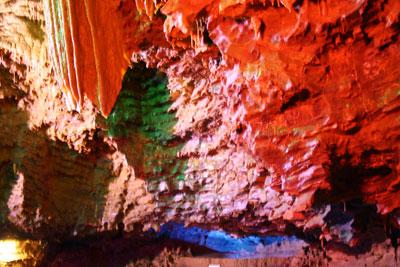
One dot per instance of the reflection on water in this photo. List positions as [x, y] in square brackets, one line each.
[116, 249]
[250, 246]
[20, 251]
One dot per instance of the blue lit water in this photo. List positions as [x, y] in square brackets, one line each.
[249, 246]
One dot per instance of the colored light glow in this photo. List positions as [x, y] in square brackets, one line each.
[250, 246]
[10, 251]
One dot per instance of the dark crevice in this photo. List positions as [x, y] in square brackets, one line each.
[346, 179]
[297, 5]
[301, 96]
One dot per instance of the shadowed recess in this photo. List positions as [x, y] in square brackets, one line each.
[7, 180]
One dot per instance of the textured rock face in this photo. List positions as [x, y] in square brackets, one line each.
[281, 116]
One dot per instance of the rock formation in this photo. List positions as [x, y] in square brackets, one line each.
[255, 117]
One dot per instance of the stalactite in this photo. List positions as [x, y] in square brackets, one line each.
[85, 62]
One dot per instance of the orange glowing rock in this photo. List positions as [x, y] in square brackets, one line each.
[14, 252]
[183, 21]
[87, 49]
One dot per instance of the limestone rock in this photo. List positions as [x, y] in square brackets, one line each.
[286, 119]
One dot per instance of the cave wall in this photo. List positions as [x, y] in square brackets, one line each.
[286, 118]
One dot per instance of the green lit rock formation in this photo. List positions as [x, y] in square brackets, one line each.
[143, 121]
